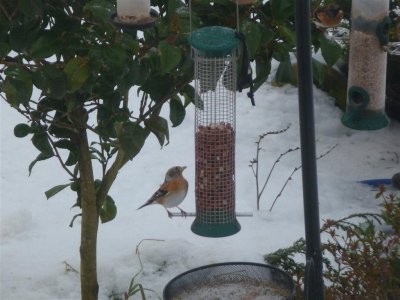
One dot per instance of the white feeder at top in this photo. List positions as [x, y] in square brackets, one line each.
[133, 9]
[134, 15]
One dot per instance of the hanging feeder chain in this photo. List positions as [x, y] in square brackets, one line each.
[237, 16]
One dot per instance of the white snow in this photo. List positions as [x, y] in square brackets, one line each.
[36, 240]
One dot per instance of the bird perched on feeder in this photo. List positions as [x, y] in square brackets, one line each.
[172, 192]
[328, 16]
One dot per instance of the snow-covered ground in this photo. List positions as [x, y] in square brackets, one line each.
[36, 241]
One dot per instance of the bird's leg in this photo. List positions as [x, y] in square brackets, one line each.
[169, 213]
[183, 213]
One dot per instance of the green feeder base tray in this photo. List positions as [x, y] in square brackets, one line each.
[367, 121]
[215, 230]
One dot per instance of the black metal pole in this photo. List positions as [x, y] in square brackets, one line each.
[314, 286]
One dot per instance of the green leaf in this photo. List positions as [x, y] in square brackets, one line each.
[72, 159]
[138, 73]
[284, 73]
[108, 210]
[158, 126]
[173, 6]
[31, 8]
[100, 9]
[73, 151]
[54, 190]
[4, 49]
[47, 104]
[189, 93]
[22, 35]
[115, 57]
[65, 144]
[263, 69]
[282, 9]
[287, 34]
[18, 86]
[45, 46]
[177, 111]
[77, 72]
[318, 71]
[51, 80]
[22, 130]
[41, 142]
[158, 86]
[281, 52]
[267, 34]
[170, 56]
[41, 156]
[129, 43]
[331, 51]
[132, 138]
[253, 36]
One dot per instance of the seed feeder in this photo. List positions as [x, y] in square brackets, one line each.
[367, 65]
[215, 52]
[134, 15]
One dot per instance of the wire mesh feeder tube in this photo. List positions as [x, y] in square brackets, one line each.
[214, 51]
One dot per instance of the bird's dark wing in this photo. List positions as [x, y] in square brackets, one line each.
[159, 193]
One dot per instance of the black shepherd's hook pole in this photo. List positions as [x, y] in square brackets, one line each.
[314, 286]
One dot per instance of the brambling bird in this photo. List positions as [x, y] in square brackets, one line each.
[328, 16]
[172, 192]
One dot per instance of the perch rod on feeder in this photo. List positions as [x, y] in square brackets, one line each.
[191, 214]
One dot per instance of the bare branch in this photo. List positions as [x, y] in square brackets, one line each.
[255, 166]
[294, 171]
[275, 163]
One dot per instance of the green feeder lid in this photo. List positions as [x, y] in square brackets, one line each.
[214, 41]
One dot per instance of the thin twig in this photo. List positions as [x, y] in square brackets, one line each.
[69, 268]
[59, 157]
[275, 163]
[5, 11]
[294, 171]
[255, 162]
[71, 224]
[137, 252]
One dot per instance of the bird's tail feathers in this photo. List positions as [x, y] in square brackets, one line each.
[147, 203]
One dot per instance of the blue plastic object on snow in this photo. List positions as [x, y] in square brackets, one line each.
[377, 182]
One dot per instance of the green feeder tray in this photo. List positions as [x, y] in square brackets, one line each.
[214, 41]
[358, 116]
[216, 230]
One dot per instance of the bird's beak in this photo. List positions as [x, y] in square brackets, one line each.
[183, 168]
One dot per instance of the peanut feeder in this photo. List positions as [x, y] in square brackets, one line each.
[214, 51]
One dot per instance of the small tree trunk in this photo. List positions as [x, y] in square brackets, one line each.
[90, 218]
